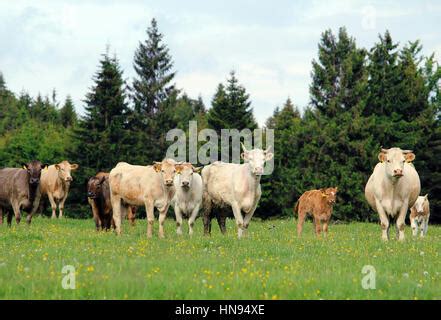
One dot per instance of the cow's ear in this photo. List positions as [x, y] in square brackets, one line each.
[178, 168]
[157, 166]
[102, 179]
[25, 166]
[197, 169]
[57, 166]
[245, 155]
[409, 157]
[382, 156]
[268, 156]
[74, 166]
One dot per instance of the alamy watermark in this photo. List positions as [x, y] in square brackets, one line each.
[208, 152]
[368, 282]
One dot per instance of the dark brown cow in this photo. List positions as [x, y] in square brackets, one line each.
[98, 195]
[317, 203]
[20, 190]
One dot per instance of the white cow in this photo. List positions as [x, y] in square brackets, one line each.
[393, 188]
[188, 197]
[151, 186]
[235, 185]
[419, 215]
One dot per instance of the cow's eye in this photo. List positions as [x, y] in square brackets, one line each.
[388, 161]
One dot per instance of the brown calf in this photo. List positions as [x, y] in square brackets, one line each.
[317, 203]
[98, 196]
[20, 190]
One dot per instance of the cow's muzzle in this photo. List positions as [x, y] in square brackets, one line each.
[185, 184]
[168, 183]
[34, 181]
[91, 195]
[398, 173]
[68, 179]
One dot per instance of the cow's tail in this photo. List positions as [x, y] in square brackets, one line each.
[296, 208]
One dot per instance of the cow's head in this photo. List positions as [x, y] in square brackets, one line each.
[185, 174]
[64, 170]
[256, 158]
[94, 186]
[395, 158]
[34, 170]
[419, 204]
[330, 194]
[167, 168]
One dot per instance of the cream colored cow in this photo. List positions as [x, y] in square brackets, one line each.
[55, 184]
[393, 188]
[151, 186]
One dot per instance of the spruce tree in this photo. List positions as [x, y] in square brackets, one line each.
[68, 116]
[153, 94]
[102, 131]
[231, 107]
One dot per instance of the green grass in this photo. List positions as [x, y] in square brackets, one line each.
[269, 263]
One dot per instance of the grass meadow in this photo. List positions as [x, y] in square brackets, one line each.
[269, 263]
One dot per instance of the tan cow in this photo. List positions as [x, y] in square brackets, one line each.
[419, 215]
[393, 188]
[151, 186]
[319, 204]
[55, 183]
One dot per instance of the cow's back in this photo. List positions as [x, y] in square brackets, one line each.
[132, 183]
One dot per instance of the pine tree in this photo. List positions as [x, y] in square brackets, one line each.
[152, 94]
[68, 116]
[103, 130]
[339, 75]
[231, 107]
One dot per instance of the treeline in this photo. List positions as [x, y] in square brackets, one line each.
[360, 100]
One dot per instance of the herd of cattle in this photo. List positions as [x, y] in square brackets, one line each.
[219, 189]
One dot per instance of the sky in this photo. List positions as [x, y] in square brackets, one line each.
[269, 44]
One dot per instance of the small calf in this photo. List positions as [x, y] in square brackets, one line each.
[319, 204]
[188, 197]
[419, 215]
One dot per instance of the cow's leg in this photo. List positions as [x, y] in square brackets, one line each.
[116, 207]
[300, 222]
[131, 215]
[400, 221]
[318, 227]
[61, 206]
[221, 221]
[149, 209]
[239, 219]
[207, 224]
[95, 214]
[162, 216]
[1, 216]
[414, 226]
[178, 215]
[9, 218]
[424, 226]
[384, 220]
[53, 205]
[325, 227]
[17, 213]
[192, 218]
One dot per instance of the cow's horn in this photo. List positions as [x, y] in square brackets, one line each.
[268, 149]
[383, 150]
[407, 151]
[243, 147]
